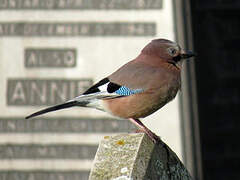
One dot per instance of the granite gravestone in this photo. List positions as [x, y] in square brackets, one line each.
[53, 50]
[216, 29]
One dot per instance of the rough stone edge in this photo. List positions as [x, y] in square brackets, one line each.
[171, 167]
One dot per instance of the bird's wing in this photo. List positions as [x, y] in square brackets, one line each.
[107, 89]
[104, 89]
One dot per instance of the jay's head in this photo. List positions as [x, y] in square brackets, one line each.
[167, 51]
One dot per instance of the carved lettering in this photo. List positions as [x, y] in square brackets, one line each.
[80, 4]
[36, 92]
[50, 58]
[27, 29]
[18, 93]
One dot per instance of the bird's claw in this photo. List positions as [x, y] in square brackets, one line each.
[154, 138]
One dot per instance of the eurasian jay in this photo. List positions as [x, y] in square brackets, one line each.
[138, 88]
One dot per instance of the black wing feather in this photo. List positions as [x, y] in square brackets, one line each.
[94, 88]
[112, 87]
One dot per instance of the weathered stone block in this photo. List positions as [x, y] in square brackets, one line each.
[136, 157]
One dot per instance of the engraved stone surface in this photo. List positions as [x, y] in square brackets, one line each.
[135, 156]
[50, 58]
[35, 92]
[52, 51]
[64, 125]
[69, 29]
[53, 151]
[79, 4]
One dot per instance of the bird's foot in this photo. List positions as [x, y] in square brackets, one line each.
[143, 128]
[154, 138]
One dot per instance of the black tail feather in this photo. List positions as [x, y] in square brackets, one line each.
[54, 108]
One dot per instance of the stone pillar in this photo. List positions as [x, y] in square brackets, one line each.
[136, 157]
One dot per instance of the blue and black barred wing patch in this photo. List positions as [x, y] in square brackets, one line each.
[112, 88]
[125, 91]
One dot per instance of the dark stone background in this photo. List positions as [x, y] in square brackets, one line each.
[216, 33]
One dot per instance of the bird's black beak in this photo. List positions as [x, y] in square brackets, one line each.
[187, 54]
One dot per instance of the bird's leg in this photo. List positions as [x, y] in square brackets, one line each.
[150, 134]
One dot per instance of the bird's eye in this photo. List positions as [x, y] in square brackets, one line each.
[172, 51]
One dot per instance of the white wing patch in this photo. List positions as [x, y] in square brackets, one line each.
[103, 88]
